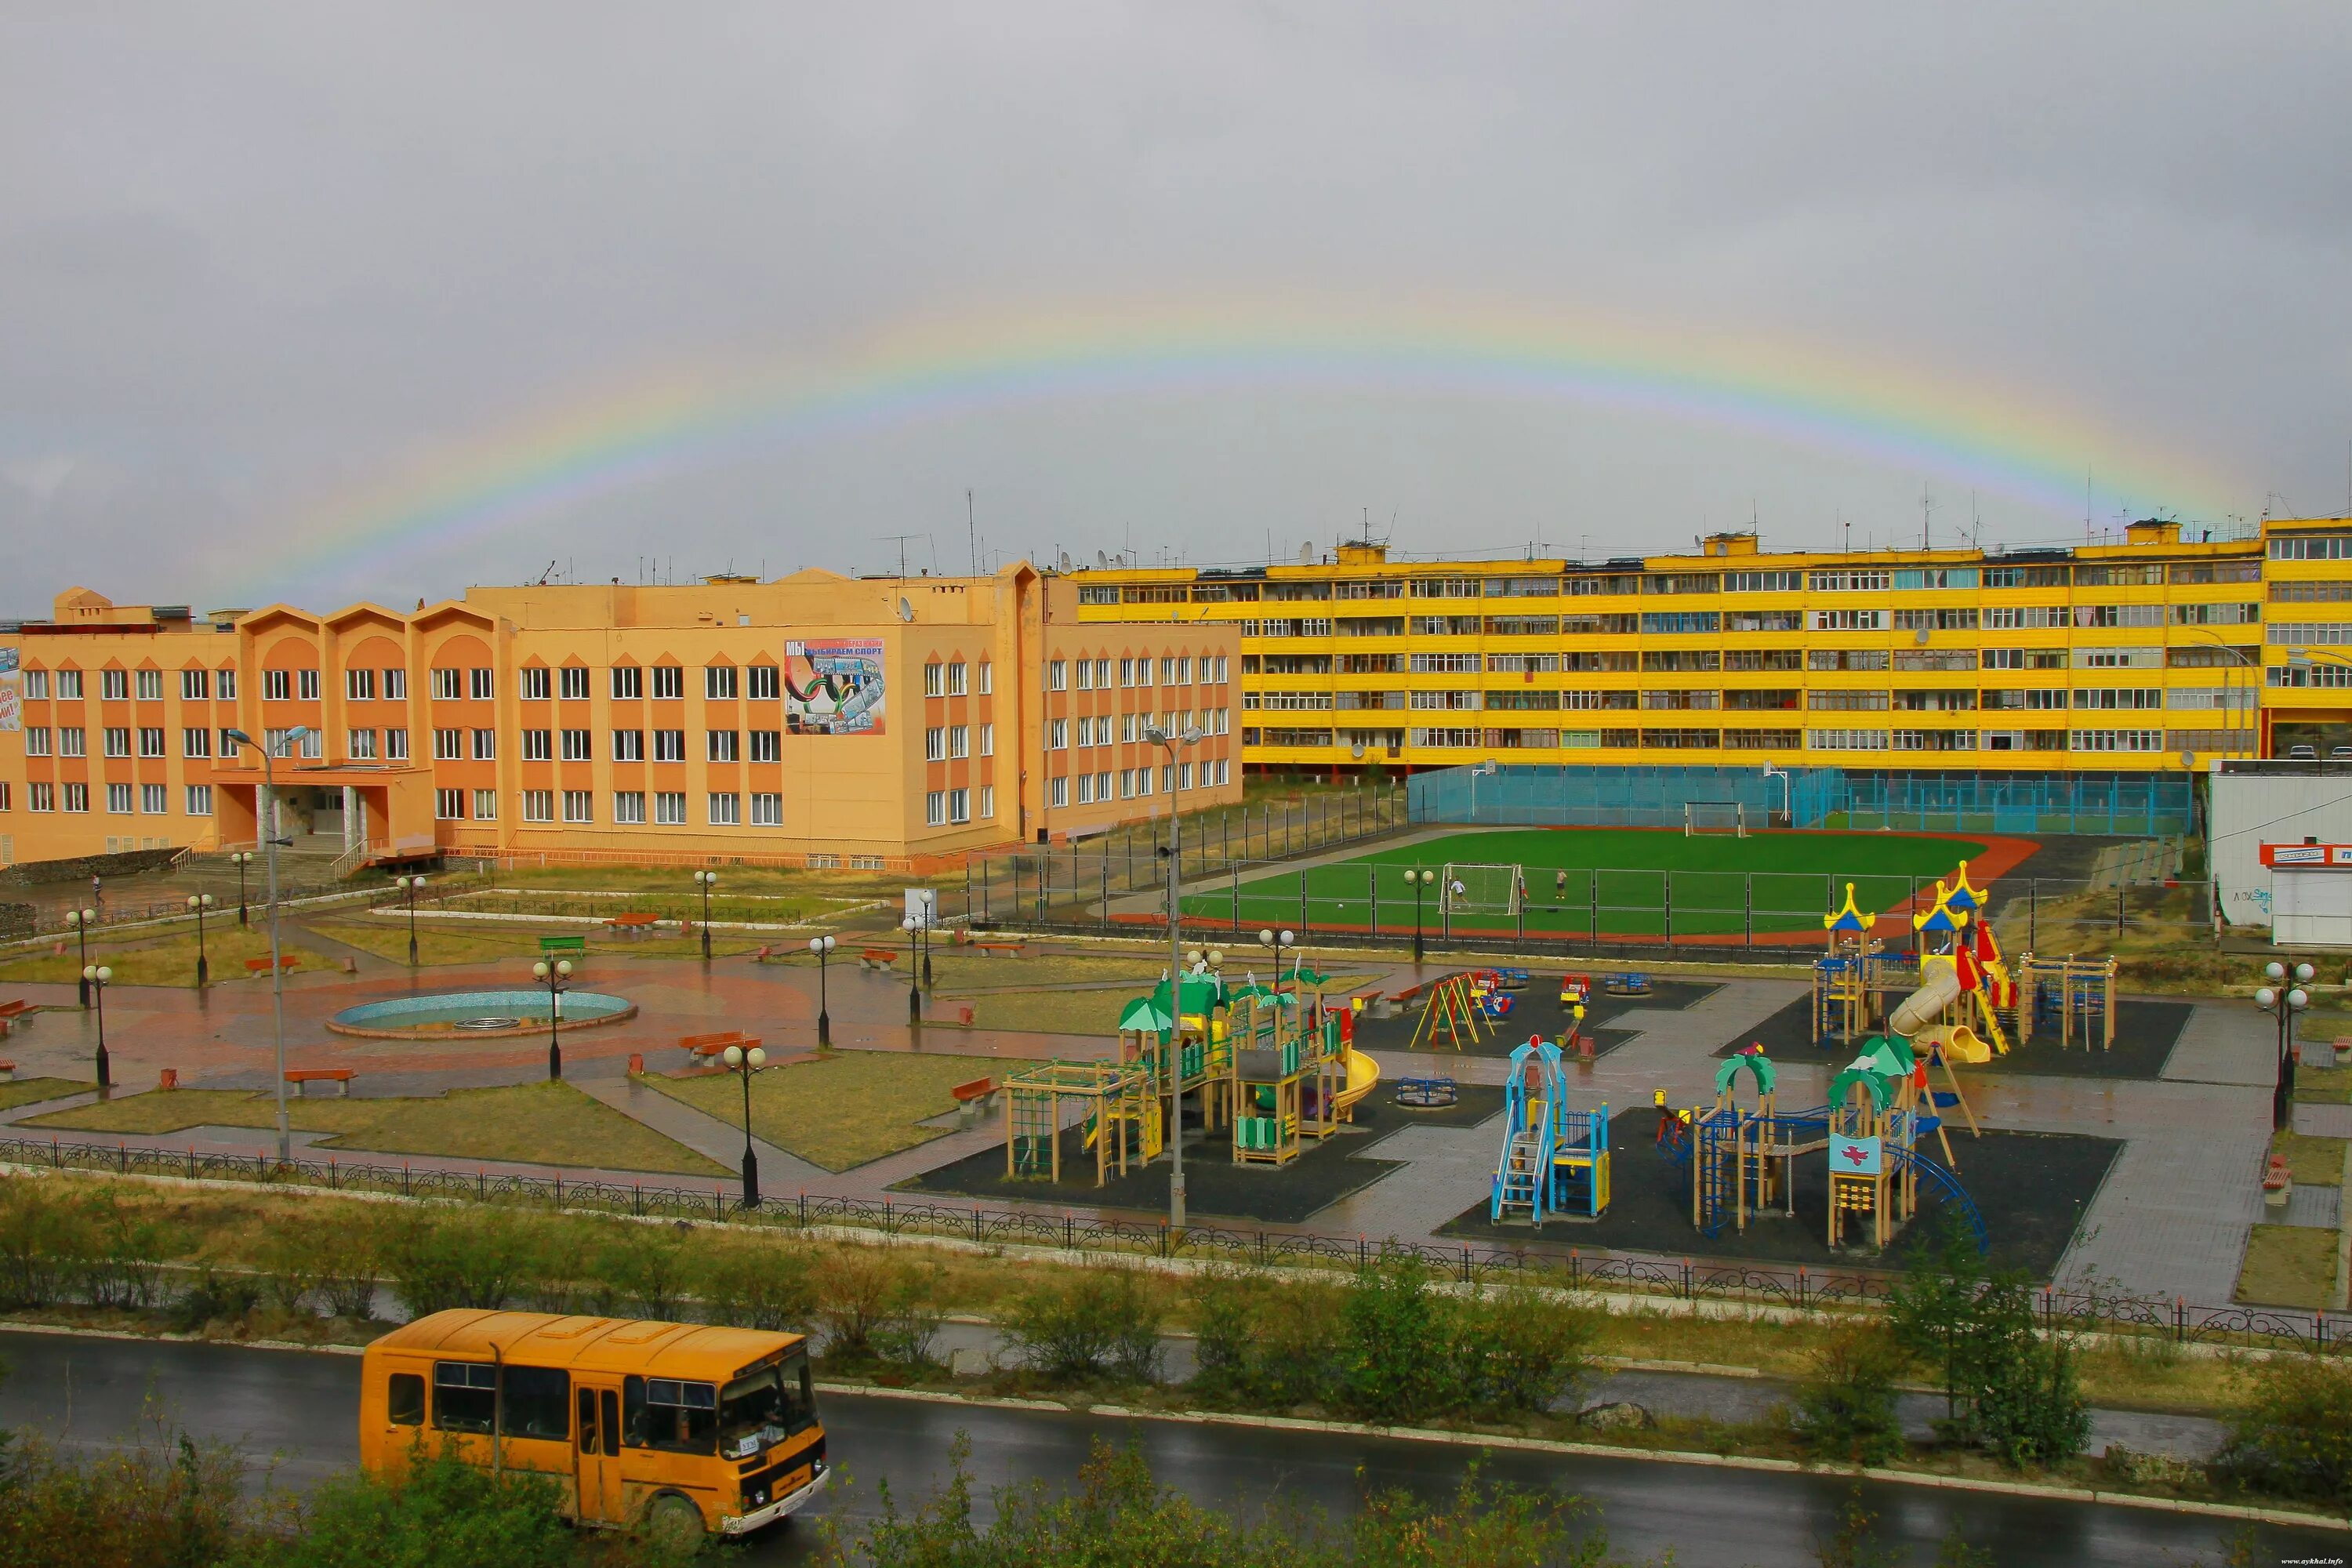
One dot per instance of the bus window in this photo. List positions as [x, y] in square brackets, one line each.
[609, 1419]
[403, 1400]
[465, 1395]
[536, 1402]
[665, 1413]
[763, 1407]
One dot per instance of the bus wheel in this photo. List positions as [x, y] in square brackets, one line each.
[674, 1523]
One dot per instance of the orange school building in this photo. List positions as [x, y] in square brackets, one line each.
[888, 723]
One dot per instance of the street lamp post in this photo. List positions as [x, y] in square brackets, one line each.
[822, 947]
[408, 887]
[270, 841]
[241, 859]
[96, 976]
[1172, 742]
[199, 902]
[79, 921]
[912, 926]
[1278, 940]
[744, 1064]
[553, 976]
[2283, 1001]
[705, 880]
[1419, 881]
[927, 954]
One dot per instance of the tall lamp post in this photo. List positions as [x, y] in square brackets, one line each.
[822, 947]
[269, 842]
[408, 887]
[705, 880]
[241, 859]
[744, 1064]
[79, 921]
[96, 975]
[2283, 1004]
[554, 976]
[912, 926]
[199, 902]
[1419, 881]
[1172, 742]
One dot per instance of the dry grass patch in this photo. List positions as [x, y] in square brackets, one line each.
[164, 960]
[2288, 1266]
[2317, 1162]
[435, 944]
[841, 1111]
[31, 1090]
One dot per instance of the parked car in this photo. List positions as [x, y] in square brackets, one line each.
[2303, 753]
[2339, 753]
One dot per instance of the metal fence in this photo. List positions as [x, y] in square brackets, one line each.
[1537, 1262]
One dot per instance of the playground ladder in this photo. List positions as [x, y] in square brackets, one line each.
[1526, 1164]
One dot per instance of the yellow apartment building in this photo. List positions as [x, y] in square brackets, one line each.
[895, 724]
[2165, 652]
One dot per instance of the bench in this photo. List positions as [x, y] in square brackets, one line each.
[1365, 1001]
[261, 965]
[303, 1077]
[877, 958]
[1007, 949]
[578, 944]
[631, 923]
[707, 1048]
[972, 1099]
[2278, 1182]
[14, 1014]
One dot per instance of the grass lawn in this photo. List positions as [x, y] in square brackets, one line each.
[539, 1124]
[2324, 1086]
[25, 1090]
[435, 944]
[1789, 874]
[2315, 1161]
[2288, 1266]
[166, 960]
[671, 902]
[841, 1111]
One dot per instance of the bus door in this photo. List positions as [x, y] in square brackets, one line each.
[597, 1436]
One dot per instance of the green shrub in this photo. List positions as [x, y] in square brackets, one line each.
[2290, 1429]
[768, 1288]
[290, 1268]
[1087, 1323]
[1846, 1405]
[875, 1306]
[348, 1261]
[213, 1298]
[478, 1257]
[1518, 1351]
[646, 1264]
[1392, 1342]
[44, 1235]
[2029, 1406]
[166, 1501]
[1227, 1304]
[2007, 1388]
[122, 1261]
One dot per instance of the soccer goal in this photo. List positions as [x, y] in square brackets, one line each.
[1720, 818]
[1483, 889]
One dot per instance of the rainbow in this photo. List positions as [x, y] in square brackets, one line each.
[2028, 450]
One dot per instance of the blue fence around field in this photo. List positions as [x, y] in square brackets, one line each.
[1567, 795]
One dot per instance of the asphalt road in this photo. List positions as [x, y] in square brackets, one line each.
[295, 1414]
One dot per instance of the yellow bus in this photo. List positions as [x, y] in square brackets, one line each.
[682, 1427]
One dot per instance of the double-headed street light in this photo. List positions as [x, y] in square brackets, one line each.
[240, 859]
[705, 880]
[269, 843]
[409, 887]
[555, 977]
[744, 1063]
[95, 976]
[2283, 1001]
[913, 927]
[822, 947]
[79, 921]
[1173, 742]
[199, 902]
[1419, 881]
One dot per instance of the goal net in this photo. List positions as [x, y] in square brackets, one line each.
[1491, 889]
[1723, 818]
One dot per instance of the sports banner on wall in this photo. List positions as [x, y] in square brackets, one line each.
[11, 703]
[834, 688]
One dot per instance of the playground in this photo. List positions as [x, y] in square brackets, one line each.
[1597, 882]
[1490, 1012]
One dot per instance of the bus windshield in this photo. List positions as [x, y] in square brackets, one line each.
[765, 1406]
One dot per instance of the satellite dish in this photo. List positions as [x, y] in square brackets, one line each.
[1307, 554]
[1920, 637]
[1356, 751]
[906, 610]
[2188, 759]
[1102, 562]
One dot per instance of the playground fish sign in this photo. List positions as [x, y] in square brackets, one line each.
[1855, 1156]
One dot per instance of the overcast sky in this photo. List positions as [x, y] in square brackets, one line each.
[273, 277]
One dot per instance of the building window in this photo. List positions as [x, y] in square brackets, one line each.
[767, 809]
[579, 805]
[117, 741]
[40, 797]
[763, 684]
[395, 685]
[935, 744]
[934, 680]
[719, 683]
[151, 740]
[200, 800]
[1085, 675]
[1127, 784]
[628, 683]
[669, 745]
[987, 802]
[306, 685]
[959, 805]
[70, 686]
[277, 686]
[448, 685]
[629, 807]
[153, 800]
[486, 805]
[149, 683]
[987, 678]
[1142, 780]
[767, 745]
[539, 746]
[539, 805]
[78, 797]
[956, 679]
[669, 809]
[722, 746]
[669, 683]
[118, 799]
[486, 745]
[534, 685]
[37, 741]
[194, 742]
[1060, 735]
[449, 805]
[577, 747]
[1102, 673]
[988, 740]
[628, 746]
[1184, 775]
[113, 685]
[484, 684]
[449, 745]
[935, 809]
[958, 740]
[574, 683]
[194, 685]
[726, 810]
[1086, 789]
[1060, 792]
[1057, 676]
[37, 685]
[396, 745]
[73, 740]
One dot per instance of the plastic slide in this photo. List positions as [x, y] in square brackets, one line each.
[1939, 988]
[1364, 1076]
[1961, 1043]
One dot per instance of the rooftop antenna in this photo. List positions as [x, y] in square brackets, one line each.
[971, 531]
[1927, 504]
[543, 576]
[900, 538]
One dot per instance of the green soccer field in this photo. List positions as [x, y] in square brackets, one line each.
[1614, 881]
